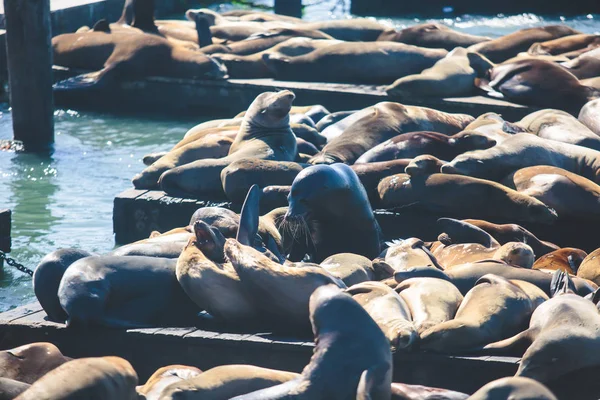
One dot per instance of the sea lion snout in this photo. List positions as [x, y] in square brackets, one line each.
[449, 169]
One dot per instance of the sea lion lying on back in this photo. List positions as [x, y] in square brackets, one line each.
[432, 35]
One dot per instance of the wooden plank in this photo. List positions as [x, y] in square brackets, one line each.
[123, 210]
[20, 312]
[5, 229]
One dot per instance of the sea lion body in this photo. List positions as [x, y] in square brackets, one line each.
[586, 65]
[590, 116]
[567, 259]
[350, 268]
[371, 173]
[410, 253]
[164, 377]
[517, 388]
[571, 44]
[30, 362]
[352, 30]
[432, 35]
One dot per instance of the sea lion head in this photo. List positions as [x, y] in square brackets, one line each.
[468, 140]
[270, 110]
[424, 165]
[209, 15]
[209, 240]
[517, 254]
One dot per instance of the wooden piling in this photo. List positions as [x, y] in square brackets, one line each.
[292, 8]
[29, 56]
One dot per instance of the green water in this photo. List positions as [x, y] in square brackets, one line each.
[65, 200]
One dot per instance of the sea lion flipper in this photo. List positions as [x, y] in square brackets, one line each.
[101, 26]
[561, 283]
[91, 80]
[372, 381]
[203, 30]
[249, 217]
[520, 339]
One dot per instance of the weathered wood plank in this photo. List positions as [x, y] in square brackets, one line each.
[5, 229]
[20, 312]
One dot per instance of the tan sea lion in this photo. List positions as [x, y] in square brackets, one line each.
[410, 253]
[166, 376]
[502, 48]
[350, 268]
[30, 362]
[590, 267]
[513, 253]
[90, 378]
[459, 195]
[431, 301]
[432, 35]
[339, 323]
[590, 116]
[11, 389]
[167, 245]
[570, 45]
[225, 382]
[585, 66]
[537, 83]
[594, 83]
[516, 388]
[452, 76]
[567, 259]
[352, 30]
[494, 127]
[264, 134]
[381, 122]
[493, 309]
[526, 150]
[393, 60]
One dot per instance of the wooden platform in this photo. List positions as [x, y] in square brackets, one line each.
[227, 97]
[150, 349]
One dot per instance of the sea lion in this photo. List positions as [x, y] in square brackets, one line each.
[371, 173]
[279, 291]
[30, 362]
[90, 378]
[567, 259]
[350, 268]
[560, 126]
[458, 195]
[274, 196]
[389, 310]
[11, 389]
[516, 388]
[264, 134]
[46, 279]
[594, 83]
[124, 292]
[381, 122]
[167, 245]
[122, 55]
[431, 301]
[402, 391]
[495, 308]
[424, 165]
[569, 194]
[413, 144]
[166, 376]
[333, 119]
[210, 146]
[225, 382]
[590, 267]
[455, 231]
[331, 206]
[493, 126]
[238, 176]
[350, 30]
[393, 60]
[410, 253]
[563, 333]
[537, 83]
[513, 253]
[452, 76]
[572, 44]
[590, 116]
[432, 35]
[339, 323]
[526, 150]
[587, 65]
[502, 48]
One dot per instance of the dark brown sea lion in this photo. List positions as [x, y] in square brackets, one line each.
[264, 134]
[526, 150]
[122, 55]
[502, 48]
[86, 378]
[456, 195]
[567, 259]
[392, 60]
[516, 388]
[274, 196]
[587, 65]
[370, 174]
[412, 144]
[537, 83]
[164, 377]
[571, 44]
[383, 121]
[590, 115]
[424, 165]
[30, 362]
[339, 323]
[331, 207]
[432, 35]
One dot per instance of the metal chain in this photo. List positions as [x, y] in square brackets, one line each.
[14, 263]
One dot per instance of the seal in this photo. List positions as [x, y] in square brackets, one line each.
[590, 116]
[30, 362]
[585, 66]
[389, 311]
[567, 259]
[381, 122]
[431, 301]
[526, 150]
[329, 208]
[571, 45]
[432, 35]
[495, 308]
[457, 195]
[502, 48]
[279, 291]
[164, 377]
[513, 388]
[46, 280]
[394, 60]
[124, 292]
[350, 268]
[560, 126]
[120, 55]
[571, 195]
[225, 382]
[413, 144]
[89, 378]
[265, 134]
[452, 76]
[535, 82]
[339, 323]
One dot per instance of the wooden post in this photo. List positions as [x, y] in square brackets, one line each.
[29, 56]
[292, 8]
